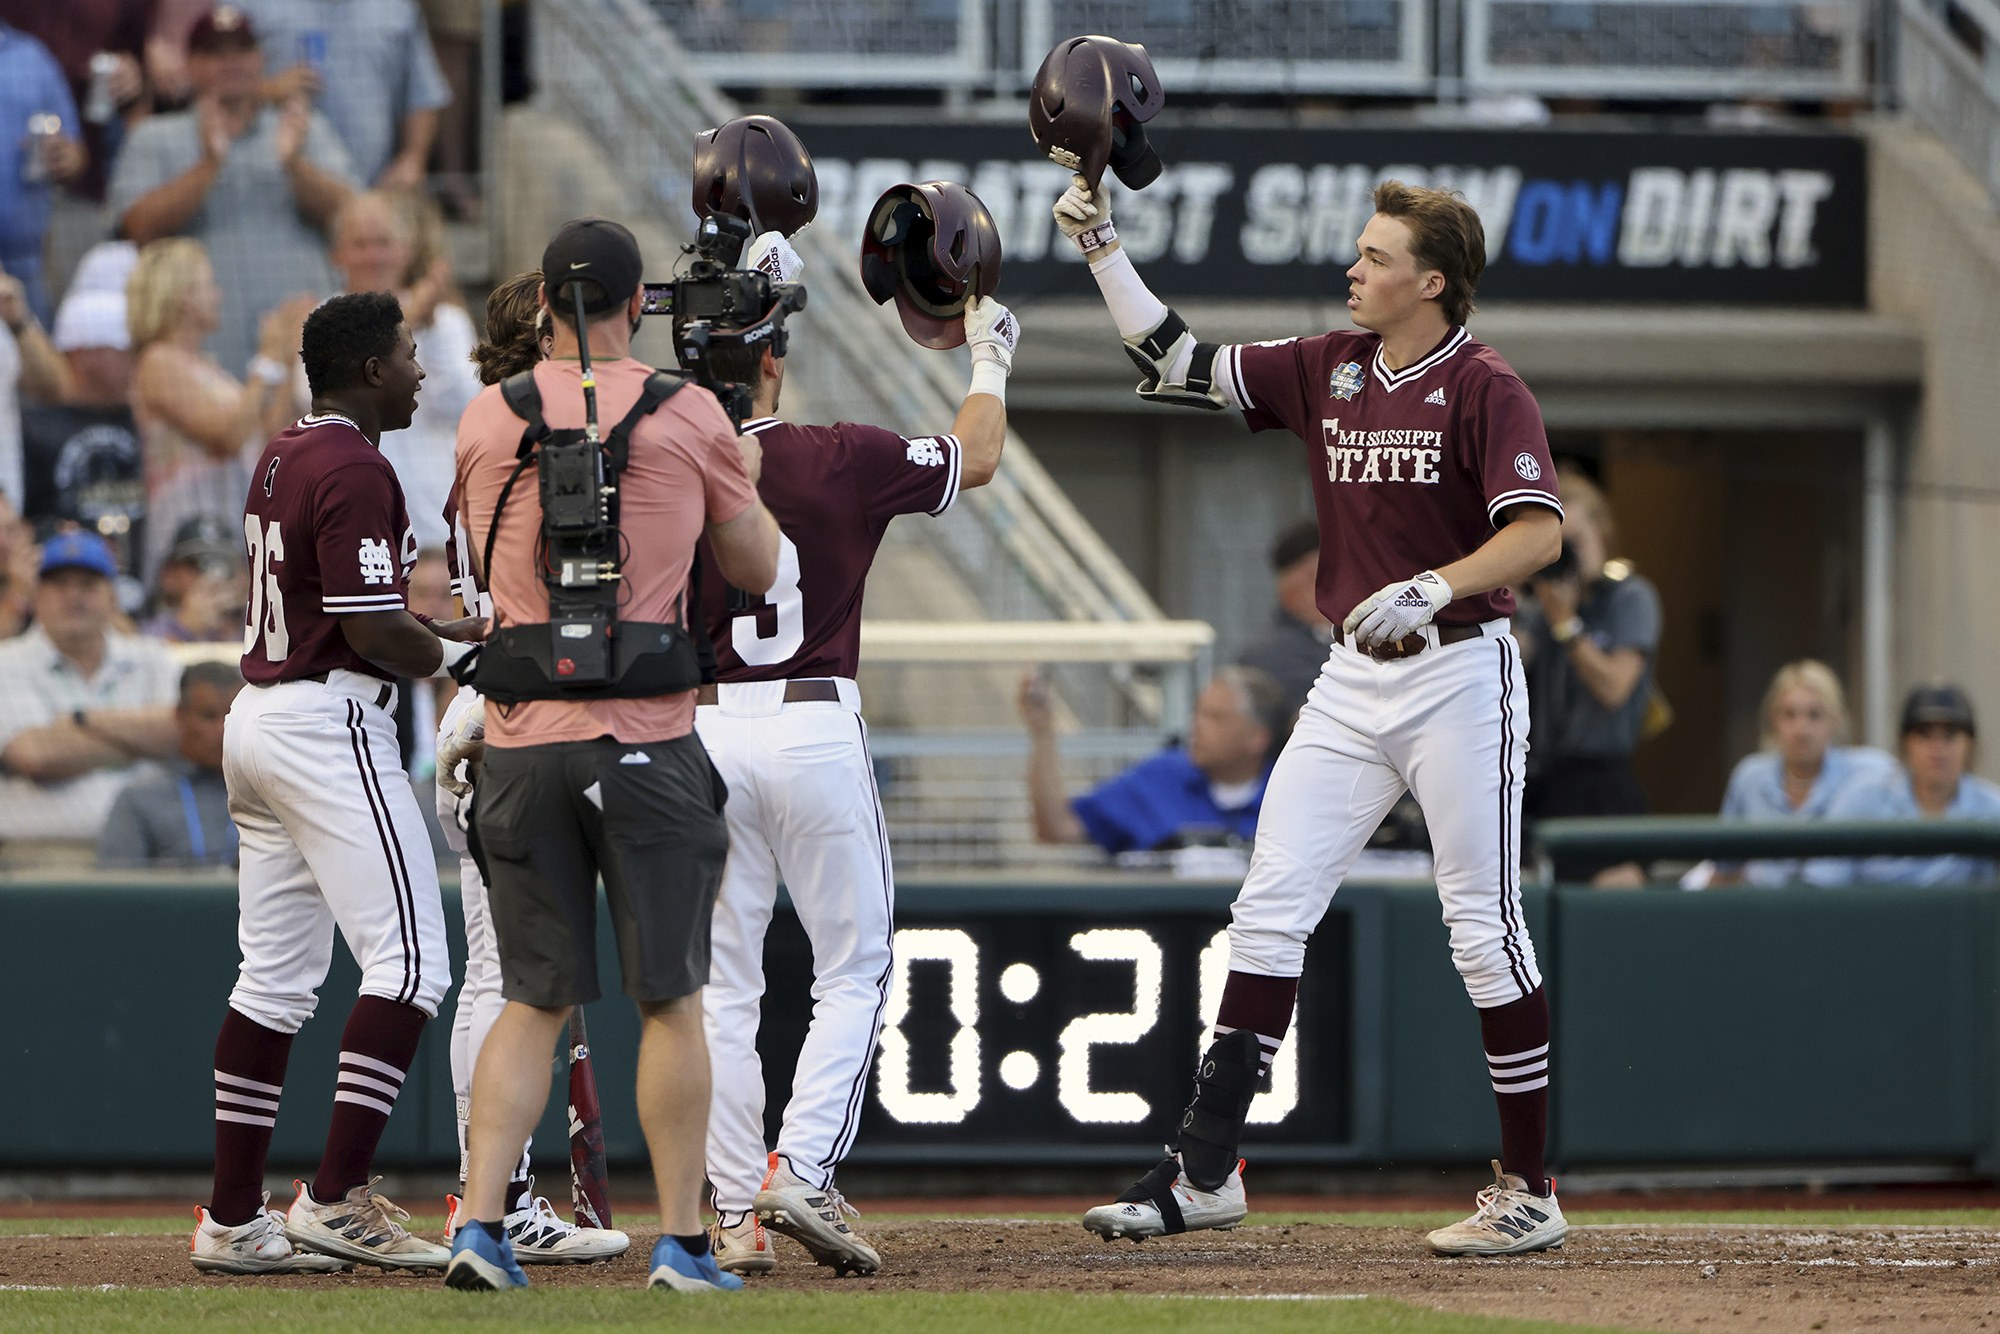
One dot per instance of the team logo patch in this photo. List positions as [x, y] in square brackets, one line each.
[1530, 470]
[1347, 380]
[926, 453]
[377, 565]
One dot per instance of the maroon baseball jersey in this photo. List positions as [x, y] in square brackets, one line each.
[833, 490]
[1410, 468]
[327, 537]
[458, 563]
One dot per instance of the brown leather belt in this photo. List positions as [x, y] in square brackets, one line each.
[1412, 644]
[820, 690]
[382, 696]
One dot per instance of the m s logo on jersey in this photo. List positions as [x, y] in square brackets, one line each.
[926, 453]
[378, 562]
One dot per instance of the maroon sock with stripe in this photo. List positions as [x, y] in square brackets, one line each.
[376, 1049]
[249, 1077]
[1261, 1004]
[1516, 1037]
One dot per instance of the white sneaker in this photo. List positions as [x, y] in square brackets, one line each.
[816, 1219]
[742, 1247]
[541, 1236]
[1164, 1202]
[363, 1227]
[256, 1247]
[1510, 1221]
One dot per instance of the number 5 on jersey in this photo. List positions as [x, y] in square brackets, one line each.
[267, 600]
[788, 627]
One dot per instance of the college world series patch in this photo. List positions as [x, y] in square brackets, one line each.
[1347, 380]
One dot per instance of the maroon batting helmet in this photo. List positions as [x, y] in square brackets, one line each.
[933, 247]
[755, 168]
[1091, 98]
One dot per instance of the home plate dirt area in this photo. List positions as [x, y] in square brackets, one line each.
[1676, 1277]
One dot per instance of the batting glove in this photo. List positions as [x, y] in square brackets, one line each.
[1397, 611]
[771, 253]
[991, 331]
[1084, 215]
[461, 741]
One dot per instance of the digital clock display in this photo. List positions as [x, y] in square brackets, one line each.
[1070, 1023]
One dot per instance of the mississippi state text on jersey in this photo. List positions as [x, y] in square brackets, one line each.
[833, 491]
[1411, 468]
[327, 537]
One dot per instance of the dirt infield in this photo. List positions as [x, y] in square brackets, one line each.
[1698, 1278]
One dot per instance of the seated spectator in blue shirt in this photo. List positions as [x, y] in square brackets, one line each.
[1938, 736]
[1802, 768]
[1206, 792]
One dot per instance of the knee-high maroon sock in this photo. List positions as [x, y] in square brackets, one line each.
[1516, 1037]
[376, 1049]
[1261, 1004]
[249, 1077]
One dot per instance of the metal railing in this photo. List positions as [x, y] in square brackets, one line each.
[1947, 87]
[784, 43]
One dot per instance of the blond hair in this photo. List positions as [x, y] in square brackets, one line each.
[1445, 234]
[159, 283]
[1814, 677]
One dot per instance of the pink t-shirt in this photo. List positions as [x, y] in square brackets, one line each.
[684, 472]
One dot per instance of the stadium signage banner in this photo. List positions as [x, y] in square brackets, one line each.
[1601, 217]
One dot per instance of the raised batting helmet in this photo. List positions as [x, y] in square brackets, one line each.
[755, 168]
[1091, 98]
[933, 247]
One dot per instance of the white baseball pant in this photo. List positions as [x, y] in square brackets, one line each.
[331, 836]
[802, 807]
[1451, 725]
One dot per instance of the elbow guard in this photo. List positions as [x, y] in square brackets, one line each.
[1167, 348]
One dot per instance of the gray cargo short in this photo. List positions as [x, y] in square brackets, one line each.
[551, 819]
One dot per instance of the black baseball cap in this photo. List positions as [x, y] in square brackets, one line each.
[1941, 703]
[600, 254]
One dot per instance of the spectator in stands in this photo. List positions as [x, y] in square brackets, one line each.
[1208, 791]
[34, 163]
[374, 249]
[83, 704]
[1588, 642]
[178, 814]
[1934, 782]
[1294, 647]
[255, 184]
[30, 365]
[1803, 767]
[370, 67]
[200, 427]
[202, 585]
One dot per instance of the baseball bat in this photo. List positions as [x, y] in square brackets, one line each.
[589, 1186]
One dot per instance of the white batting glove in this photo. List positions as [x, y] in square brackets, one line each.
[991, 331]
[1397, 611]
[771, 253]
[461, 741]
[1084, 215]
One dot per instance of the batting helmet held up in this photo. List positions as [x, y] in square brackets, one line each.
[1091, 98]
[933, 247]
[755, 168]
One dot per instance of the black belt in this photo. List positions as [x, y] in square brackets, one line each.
[1412, 644]
[382, 696]
[821, 691]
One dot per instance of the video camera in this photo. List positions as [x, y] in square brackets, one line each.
[715, 305]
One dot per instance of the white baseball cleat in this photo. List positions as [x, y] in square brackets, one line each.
[742, 1247]
[541, 1236]
[816, 1219]
[1510, 1221]
[1165, 1202]
[363, 1227]
[256, 1247]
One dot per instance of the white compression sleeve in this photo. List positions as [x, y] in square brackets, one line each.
[1134, 308]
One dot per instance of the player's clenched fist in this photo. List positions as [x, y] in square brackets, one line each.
[1392, 613]
[1084, 215]
[461, 740]
[991, 331]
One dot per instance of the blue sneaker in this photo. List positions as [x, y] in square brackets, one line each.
[481, 1264]
[674, 1268]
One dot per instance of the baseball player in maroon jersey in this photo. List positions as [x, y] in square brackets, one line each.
[784, 728]
[330, 829]
[1436, 495]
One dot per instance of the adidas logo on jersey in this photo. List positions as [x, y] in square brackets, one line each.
[1436, 398]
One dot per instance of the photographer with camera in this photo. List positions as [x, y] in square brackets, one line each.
[591, 764]
[1588, 641]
